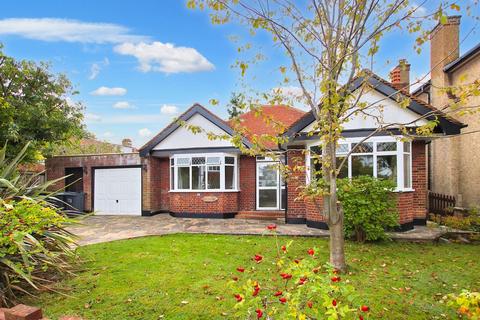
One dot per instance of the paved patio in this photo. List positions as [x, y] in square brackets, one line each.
[97, 229]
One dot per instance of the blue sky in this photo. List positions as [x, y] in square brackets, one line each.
[118, 54]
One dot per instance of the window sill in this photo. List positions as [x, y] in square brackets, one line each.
[404, 190]
[202, 191]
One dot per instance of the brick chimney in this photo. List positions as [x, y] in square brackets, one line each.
[400, 76]
[127, 142]
[444, 48]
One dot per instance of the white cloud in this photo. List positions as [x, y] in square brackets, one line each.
[108, 135]
[169, 109]
[289, 92]
[123, 105]
[52, 29]
[92, 117]
[97, 67]
[418, 10]
[165, 57]
[106, 91]
[144, 133]
[132, 119]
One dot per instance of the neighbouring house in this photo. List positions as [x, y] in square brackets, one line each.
[190, 175]
[453, 160]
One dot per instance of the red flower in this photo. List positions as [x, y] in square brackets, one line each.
[283, 299]
[286, 276]
[258, 258]
[235, 278]
[310, 304]
[284, 248]
[278, 293]
[334, 302]
[360, 317]
[311, 251]
[272, 227]
[302, 280]
[259, 313]
[365, 308]
[238, 297]
[336, 279]
[240, 269]
[256, 290]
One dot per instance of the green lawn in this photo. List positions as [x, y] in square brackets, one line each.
[149, 277]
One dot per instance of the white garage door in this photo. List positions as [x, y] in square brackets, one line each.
[118, 191]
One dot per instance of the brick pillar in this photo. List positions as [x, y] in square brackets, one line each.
[247, 175]
[419, 182]
[296, 179]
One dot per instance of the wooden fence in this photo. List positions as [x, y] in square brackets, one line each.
[441, 204]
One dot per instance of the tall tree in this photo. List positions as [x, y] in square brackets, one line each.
[35, 107]
[328, 44]
[236, 106]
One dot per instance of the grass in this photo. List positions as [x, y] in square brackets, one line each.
[149, 278]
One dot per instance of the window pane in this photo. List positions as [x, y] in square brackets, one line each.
[386, 146]
[315, 167]
[198, 177]
[198, 160]
[183, 178]
[344, 170]
[267, 198]
[365, 147]
[213, 177]
[267, 175]
[183, 161]
[406, 147]
[316, 150]
[172, 177]
[283, 200]
[229, 177]
[407, 183]
[213, 160]
[342, 148]
[229, 160]
[172, 161]
[387, 167]
[362, 165]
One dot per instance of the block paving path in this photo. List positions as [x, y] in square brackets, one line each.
[98, 229]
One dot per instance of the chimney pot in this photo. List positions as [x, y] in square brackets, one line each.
[400, 75]
[127, 142]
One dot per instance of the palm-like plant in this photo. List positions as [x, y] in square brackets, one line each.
[34, 244]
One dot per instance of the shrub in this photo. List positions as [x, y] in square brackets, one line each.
[296, 288]
[467, 304]
[34, 245]
[469, 222]
[369, 206]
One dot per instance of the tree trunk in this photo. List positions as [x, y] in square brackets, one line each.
[332, 210]
[337, 244]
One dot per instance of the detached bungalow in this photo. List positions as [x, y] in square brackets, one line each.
[188, 175]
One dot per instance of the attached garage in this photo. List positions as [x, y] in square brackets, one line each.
[117, 191]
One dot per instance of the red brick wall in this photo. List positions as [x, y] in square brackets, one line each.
[55, 168]
[203, 202]
[405, 206]
[247, 196]
[156, 184]
[419, 179]
[295, 180]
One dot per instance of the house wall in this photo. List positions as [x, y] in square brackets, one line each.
[247, 196]
[204, 204]
[411, 205]
[55, 169]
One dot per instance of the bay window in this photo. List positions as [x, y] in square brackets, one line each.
[380, 157]
[203, 172]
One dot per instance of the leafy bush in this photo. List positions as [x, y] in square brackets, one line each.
[34, 245]
[470, 222]
[296, 288]
[467, 304]
[369, 207]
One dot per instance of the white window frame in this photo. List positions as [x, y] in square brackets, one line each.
[205, 155]
[398, 153]
[280, 184]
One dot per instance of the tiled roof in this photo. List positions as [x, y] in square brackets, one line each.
[271, 120]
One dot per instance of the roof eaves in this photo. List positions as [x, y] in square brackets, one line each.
[463, 59]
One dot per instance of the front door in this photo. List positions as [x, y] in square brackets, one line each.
[270, 186]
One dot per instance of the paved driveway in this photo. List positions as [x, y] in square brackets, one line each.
[96, 229]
